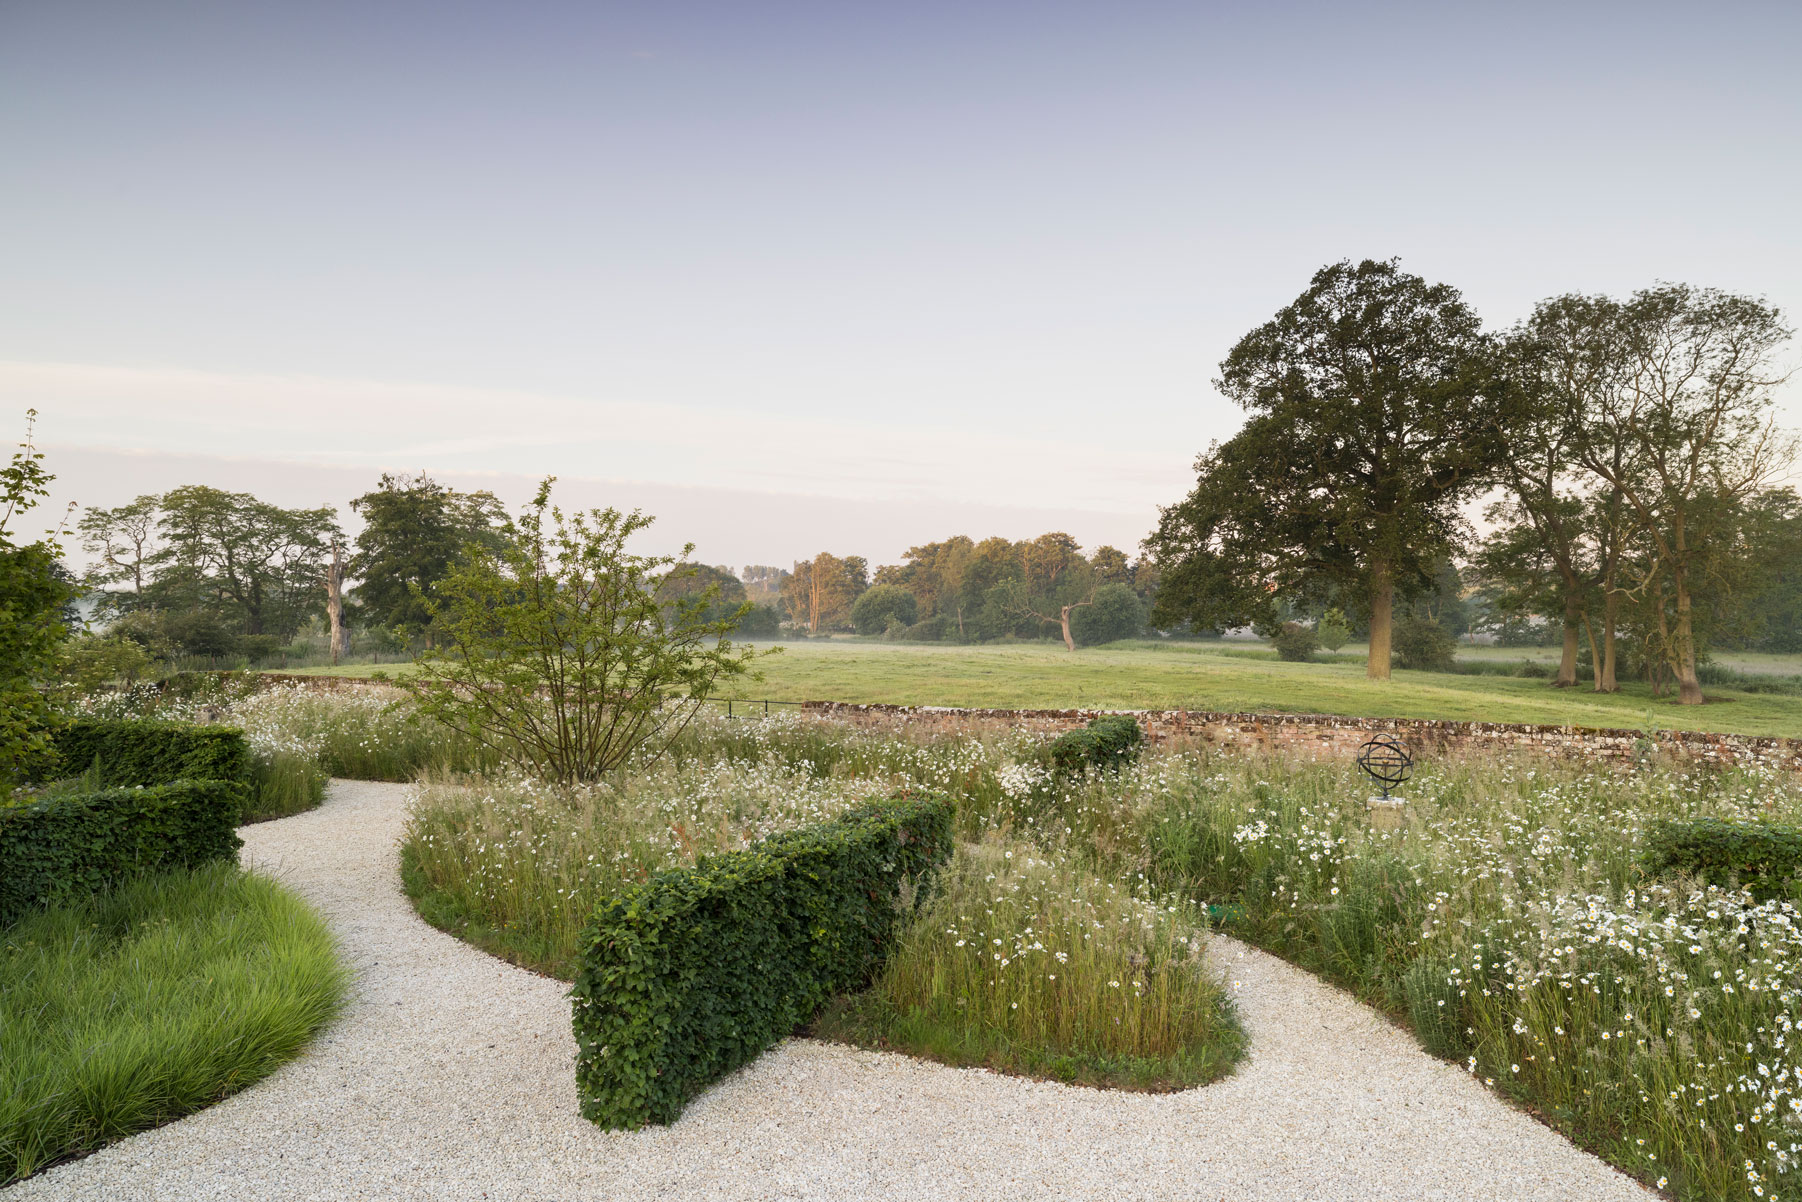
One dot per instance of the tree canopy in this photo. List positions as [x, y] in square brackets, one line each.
[1373, 414]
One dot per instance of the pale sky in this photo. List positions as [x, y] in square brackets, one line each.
[796, 276]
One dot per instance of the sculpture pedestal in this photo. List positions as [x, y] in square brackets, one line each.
[1387, 813]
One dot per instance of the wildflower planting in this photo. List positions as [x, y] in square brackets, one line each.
[1026, 963]
[1517, 922]
[1529, 920]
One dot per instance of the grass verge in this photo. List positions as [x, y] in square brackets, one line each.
[126, 1010]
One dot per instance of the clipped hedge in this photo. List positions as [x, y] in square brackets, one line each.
[1765, 857]
[140, 751]
[700, 970]
[1106, 743]
[63, 846]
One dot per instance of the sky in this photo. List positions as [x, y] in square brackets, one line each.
[813, 276]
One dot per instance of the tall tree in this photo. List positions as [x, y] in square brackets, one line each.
[414, 530]
[1696, 407]
[257, 561]
[1373, 415]
[819, 592]
[122, 542]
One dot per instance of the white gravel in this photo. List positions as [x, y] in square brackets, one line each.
[450, 1077]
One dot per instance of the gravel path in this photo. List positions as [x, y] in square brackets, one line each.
[449, 1077]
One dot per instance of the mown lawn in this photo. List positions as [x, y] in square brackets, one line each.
[1215, 676]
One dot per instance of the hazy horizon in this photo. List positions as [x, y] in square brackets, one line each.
[804, 277]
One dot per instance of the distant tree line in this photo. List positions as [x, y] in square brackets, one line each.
[962, 590]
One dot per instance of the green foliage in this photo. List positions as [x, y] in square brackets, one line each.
[282, 784]
[1423, 645]
[558, 652]
[1116, 613]
[1764, 857]
[130, 1008]
[144, 751]
[1295, 643]
[60, 847]
[885, 603]
[414, 529]
[696, 973]
[1333, 630]
[1372, 417]
[1093, 984]
[253, 564]
[1106, 744]
[33, 594]
[91, 662]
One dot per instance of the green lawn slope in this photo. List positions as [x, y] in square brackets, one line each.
[1217, 676]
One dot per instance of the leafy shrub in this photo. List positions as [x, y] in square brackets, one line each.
[873, 611]
[1423, 645]
[1116, 613]
[1333, 630]
[928, 630]
[66, 846]
[1764, 857]
[1295, 643]
[699, 971]
[143, 751]
[759, 622]
[1105, 744]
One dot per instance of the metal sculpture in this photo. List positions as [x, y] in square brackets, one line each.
[1387, 760]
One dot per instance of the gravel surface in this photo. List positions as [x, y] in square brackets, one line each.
[450, 1077]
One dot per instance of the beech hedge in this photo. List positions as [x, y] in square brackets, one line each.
[81, 843]
[1764, 857]
[687, 977]
[141, 751]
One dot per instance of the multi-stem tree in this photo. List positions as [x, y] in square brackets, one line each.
[1695, 408]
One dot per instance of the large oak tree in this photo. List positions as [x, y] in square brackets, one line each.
[1372, 417]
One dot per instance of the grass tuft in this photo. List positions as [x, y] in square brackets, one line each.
[128, 1009]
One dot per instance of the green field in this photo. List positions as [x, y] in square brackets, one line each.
[1226, 676]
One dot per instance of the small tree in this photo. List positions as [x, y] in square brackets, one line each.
[32, 596]
[1334, 631]
[558, 651]
[1295, 643]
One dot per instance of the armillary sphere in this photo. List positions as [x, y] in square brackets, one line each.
[1387, 760]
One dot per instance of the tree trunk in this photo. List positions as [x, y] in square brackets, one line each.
[1064, 625]
[334, 602]
[1567, 661]
[1605, 681]
[1689, 689]
[1382, 608]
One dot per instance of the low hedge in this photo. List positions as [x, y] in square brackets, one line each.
[1765, 857]
[81, 843]
[1106, 743]
[687, 977]
[141, 751]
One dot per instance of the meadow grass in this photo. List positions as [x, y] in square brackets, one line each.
[516, 867]
[1026, 963]
[1507, 921]
[1234, 677]
[128, 1009]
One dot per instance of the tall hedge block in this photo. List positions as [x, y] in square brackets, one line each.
[74, 845]
[700, 970]
[139, 751]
